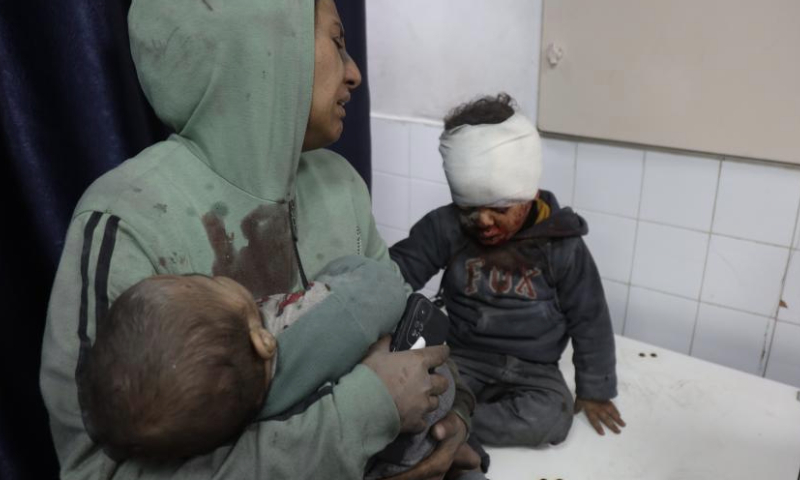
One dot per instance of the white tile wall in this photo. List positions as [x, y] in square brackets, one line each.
[730, 337]
[390, 200]
[791, 291]
[744, 275]
[608, 179]
[669, 259]
[558, 169]
[390, 144]
[679, 190]
[649, 218]
[426, 162]
[797, 233]
[784, 358]
[391, 235]
[660, 319]
[611, 240]
[617, 298]
[757, 202]
[426, 196]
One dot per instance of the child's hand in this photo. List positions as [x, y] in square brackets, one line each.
[600, 411]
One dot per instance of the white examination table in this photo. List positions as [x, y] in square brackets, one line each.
[687, 420]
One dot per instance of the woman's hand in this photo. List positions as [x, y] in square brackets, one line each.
[451, 452]
[406, 375]
[599, 413]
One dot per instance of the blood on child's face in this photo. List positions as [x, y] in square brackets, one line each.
[493, 226]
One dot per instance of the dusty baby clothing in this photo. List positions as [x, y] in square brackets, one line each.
[348, 296]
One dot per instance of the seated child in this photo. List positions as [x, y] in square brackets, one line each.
[519, 283]
[184, 363]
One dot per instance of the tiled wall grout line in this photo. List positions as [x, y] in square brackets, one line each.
[683, 297]
[635, 240]
[408, 185]
[688, 229]
[769, 339]
[390, 174]
[708, 252]
[589, 141]
[425, 180]
[409, 167]
[663, 292]
[407, 120]
[768, 343]
[574, 173]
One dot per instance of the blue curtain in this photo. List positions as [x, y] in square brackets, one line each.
[71, 109]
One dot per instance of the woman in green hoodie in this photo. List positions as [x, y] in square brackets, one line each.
[243, 189]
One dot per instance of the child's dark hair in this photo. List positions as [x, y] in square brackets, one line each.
[484, 110]
[172, 374]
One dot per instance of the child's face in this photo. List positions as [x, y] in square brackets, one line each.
[240, 302]
[494, 226]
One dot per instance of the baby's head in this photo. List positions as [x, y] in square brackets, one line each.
[179, 367]
[493, 162]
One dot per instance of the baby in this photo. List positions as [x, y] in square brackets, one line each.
[183, 363]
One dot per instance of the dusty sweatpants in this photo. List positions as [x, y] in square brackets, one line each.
[519, 403]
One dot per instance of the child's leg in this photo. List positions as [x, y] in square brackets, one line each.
[522, 403]
[474, 383]
[525, 417]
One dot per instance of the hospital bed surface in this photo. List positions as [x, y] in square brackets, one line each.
[687, 419]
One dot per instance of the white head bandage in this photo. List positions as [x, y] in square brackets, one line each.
[492, 165]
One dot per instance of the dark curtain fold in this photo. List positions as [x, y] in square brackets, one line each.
[71, 109]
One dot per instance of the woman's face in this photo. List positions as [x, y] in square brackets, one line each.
[335, 76]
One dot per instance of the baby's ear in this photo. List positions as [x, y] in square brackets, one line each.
[263, 342]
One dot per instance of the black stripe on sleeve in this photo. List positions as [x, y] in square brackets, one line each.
[103, 269]
[83, 319]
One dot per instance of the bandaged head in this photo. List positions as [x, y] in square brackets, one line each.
[492, 165]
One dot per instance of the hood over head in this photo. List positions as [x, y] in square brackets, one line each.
[234, 79]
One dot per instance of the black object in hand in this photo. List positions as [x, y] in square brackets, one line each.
[421, 318]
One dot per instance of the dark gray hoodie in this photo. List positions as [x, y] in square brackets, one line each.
[525, 298]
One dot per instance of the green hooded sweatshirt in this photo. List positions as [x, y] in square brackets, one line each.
[225, 195]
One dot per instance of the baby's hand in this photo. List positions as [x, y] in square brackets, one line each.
[600, 411]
